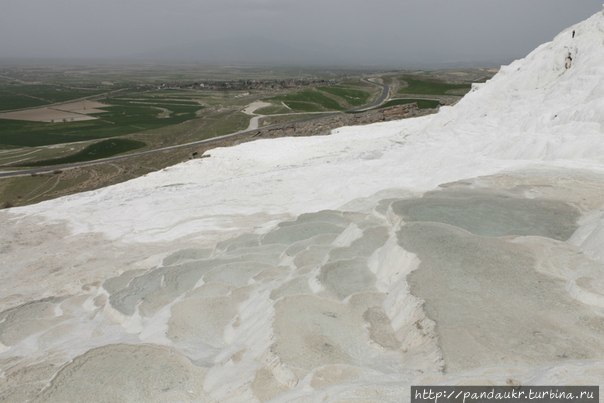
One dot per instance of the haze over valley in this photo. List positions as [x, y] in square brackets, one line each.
[347, 33]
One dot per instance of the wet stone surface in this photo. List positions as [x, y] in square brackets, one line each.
[492, 213]
[479, 281]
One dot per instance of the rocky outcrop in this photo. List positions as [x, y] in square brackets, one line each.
[325, 125]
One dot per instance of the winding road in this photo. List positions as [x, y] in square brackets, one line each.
[384, 96]
[242, 133]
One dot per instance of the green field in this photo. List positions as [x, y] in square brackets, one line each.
[421, 103]
[353, 97]
[102, 149]
[416, 85]
[122, 117]
[272, 110]
[309, 101]
[224, 123]
[18, 96]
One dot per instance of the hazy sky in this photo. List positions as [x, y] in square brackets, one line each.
[353, 32]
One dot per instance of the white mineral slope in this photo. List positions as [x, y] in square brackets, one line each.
[186, 268]
[536, 108]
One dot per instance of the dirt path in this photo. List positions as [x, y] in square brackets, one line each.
[254, 106]
[255, 120]
[163, 112]
[250, 110]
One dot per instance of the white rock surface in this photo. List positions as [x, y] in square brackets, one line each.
[301, 269]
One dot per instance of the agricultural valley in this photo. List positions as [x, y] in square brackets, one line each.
[68, 130]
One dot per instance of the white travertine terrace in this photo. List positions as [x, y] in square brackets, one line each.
[461, 248]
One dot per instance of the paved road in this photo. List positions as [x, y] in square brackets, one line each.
[384, 96]
[24, 172]
[51, 168]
